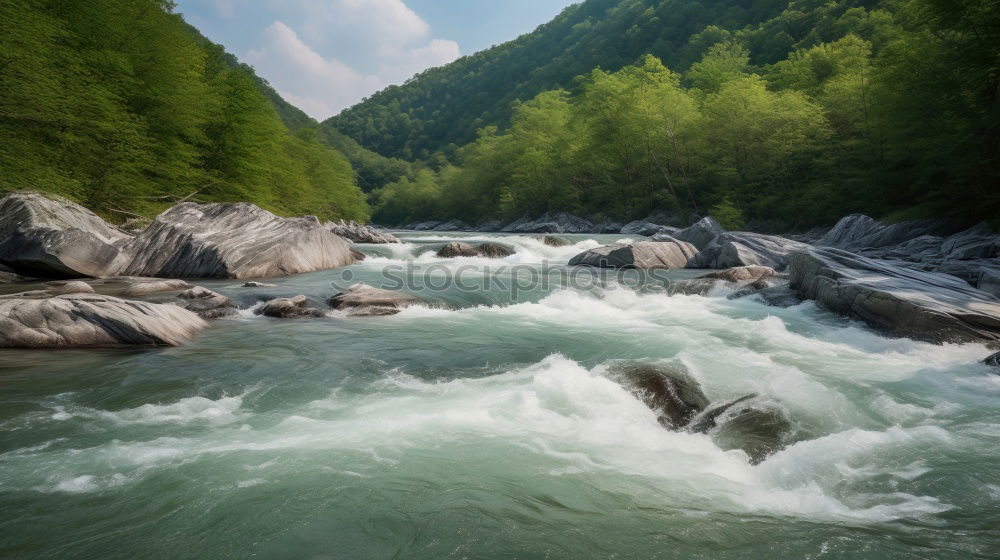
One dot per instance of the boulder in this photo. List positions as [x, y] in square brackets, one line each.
[666, 233]
[976, 243]
[289, 308]
[982, 274]
[553, 241]
[850, 231]
[561, 222]
[671, 393]
[234, 240]
[642, 255]
[490, 226]
[359, 233]
[609, 227]
[741, 274]
[646, 229]
[51, 237]
[993, 360]
[152, 286]
[701, 233]
[858, 231]
[206, 303]
[494, 250]
[759, 431]
[904, 302]
[737, 249]
[55, 289]
[457, 249]
[422, 226]
[362, 299]
[253, 284]
[453, 225]
[86, 320]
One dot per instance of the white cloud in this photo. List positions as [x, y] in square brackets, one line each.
[384, 38]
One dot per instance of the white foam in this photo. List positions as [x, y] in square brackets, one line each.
[187, 410]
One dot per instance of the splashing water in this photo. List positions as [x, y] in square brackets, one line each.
[490, 425]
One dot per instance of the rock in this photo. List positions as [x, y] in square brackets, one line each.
[774, 296]
[457, 249]
[666, 233]
[609, 227]
[642, 255]
[233, 240]
[494, 250]
[258, 285]
[760, 432]
[810, 236]
[155, 286]
[490, 226]
[553, 241]
[422, 226]
[701, 233]
[850, 230]
[858, 231]
[993, 360]
[904, 302]
[207, 304]
[560, 222]
[358, 256]
[736, 249]
[84, 320]
[362, 299]
[51, 237]
[453, 225]
[707, 420]
[360, 233]
[289, 308]
[741, 274]
[74, 287]
[672, 394]
[976, 243]
[982, 274]
[647, 229]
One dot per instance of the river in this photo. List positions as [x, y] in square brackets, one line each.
[487, 425]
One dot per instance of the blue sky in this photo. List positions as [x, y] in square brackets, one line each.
[326, 55]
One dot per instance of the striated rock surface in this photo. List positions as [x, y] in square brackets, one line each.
[701, 233]
[233, 240]
[643, 255]
[362, 299]
[359, 233]
[51, 237]
[494, 250]
[86, 320]
[737, 249]
[741, 274]
[902, 301]
[153, 286]
[453, 225]
[289, 308]
[553, 241]
[858, 231]
[457, 249]
[559, 222]
[646, 229]
[670, 392]
[206, 303]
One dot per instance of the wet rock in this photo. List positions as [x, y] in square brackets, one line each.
[422, 226]
[858, 231]
[234, 240]
[560, 222]
[773, 295]
[738, 249]
[258, 285]
[453, 225]
[647, 229]
[904, 302]
[86, 320]
[51, 237]
[152, 286]
[362, 299]
[494, 250]
[701, 233]
[708, 419]
[553, 241]
[641, 255]
[289, 308]
[358, 255]
[672, 394]
[993, 360]
[760, 432]
[206, 303]
[359, 233]
[457, 249]
[741, 274]
[490, 226]
[666, 233]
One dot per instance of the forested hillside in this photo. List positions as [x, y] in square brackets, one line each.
[122, 106]
[778, 114]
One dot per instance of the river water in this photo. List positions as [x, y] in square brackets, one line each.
[486, 425]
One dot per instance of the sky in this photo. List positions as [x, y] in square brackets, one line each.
[325, 55]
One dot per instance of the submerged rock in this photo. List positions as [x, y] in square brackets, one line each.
[253, 284]
[494, 250]
[289, 308]
[152, 286]
[207, 304]
[86, 320]
[51, 237]
[738, 249]
[701, 233]
[671, 393]
[457, 249]
[362, 299]
[234, 240]
[642, 255]
[553, 241]
[760, 432]
[993, 360]
[904, 302]
[359, 233]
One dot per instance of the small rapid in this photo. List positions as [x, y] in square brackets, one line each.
[490, 424]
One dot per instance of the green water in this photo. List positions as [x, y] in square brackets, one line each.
[486, 426]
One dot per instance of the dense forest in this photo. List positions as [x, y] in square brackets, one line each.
[120, 105]
[770, 113]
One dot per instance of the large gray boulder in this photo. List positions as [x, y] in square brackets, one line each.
[642, 255]
[206, 303]
[233, 240]
[670, 392]
[457, 249]
[646, 229]
[742, 248]
[295, 307]
[901, 301]
[87, 320]
[362, 299]
[858, 231]
[560, 222]
[701, 233]
[51, 237]
[360, 233]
